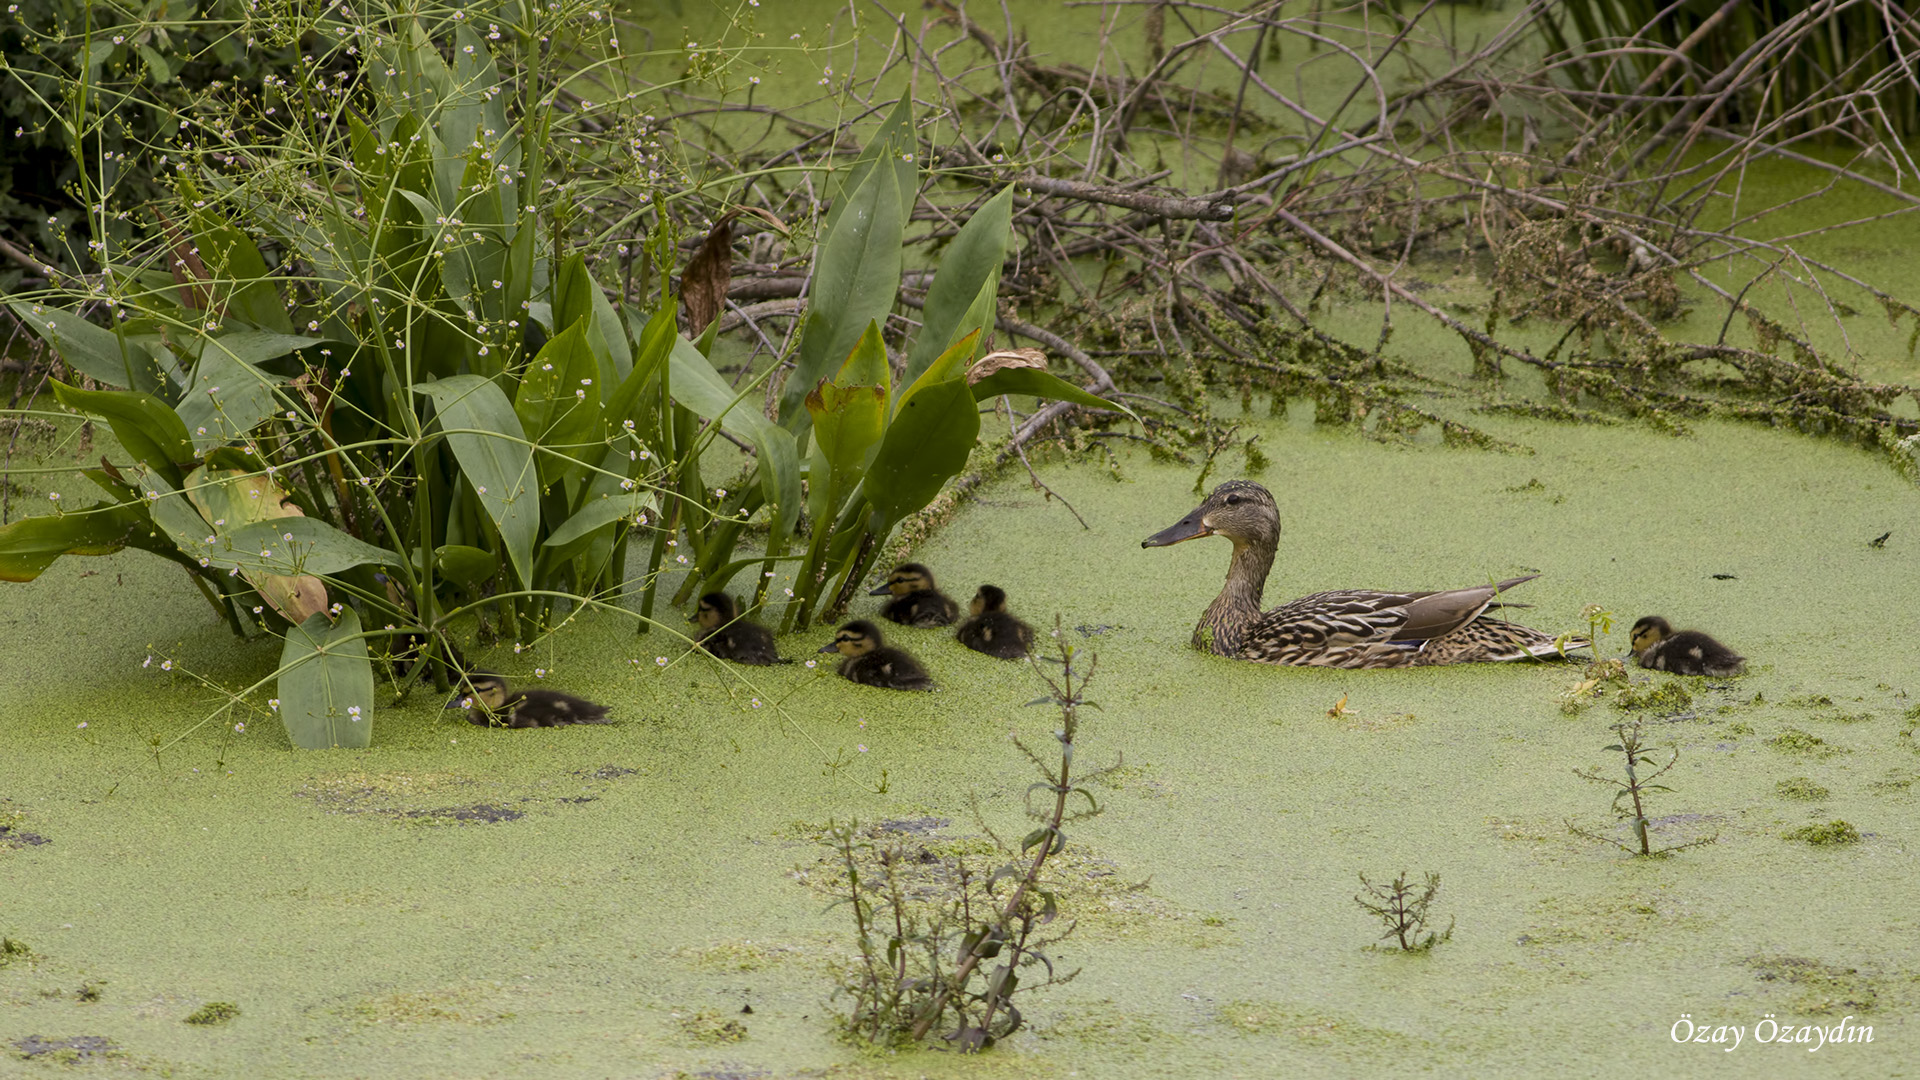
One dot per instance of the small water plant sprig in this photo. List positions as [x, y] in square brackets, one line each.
[1600, 674]
[1402, 908]
[944, 948]
[1629, 801]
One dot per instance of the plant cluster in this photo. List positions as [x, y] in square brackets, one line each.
[374, 389]
[1403, 909]
[1630, 798]
[943, 946]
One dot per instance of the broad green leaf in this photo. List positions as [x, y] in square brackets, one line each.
[849, 415]
[228, 492]
[577, 296]
[926, 445]
[228, 395]
[1036, 383]
[293, 546]
[601, 509]
[170, 510]
[30, 545]
[240, 279]
[893, 144]
[856, 277]
[369, 159]
[867, 364]
[158, 70]
[700, 388]
[145, 426]
[650, 354]
[234, 497]
[493, 452]
[949, 366]
[969, 270]
[93, 351]
[326, 684]
[559, 403]
[463, 565]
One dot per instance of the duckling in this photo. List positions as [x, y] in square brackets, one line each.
[491, 704]
[727, 634]
[992, 629]
[1688, 652]
[917, 601]
[871, 662]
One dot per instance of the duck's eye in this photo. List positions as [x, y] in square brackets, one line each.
[1233, 500]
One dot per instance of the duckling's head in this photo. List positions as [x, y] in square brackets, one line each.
[488, 689]
[906, 578]
[716, 610]
[989, 598]
[1240, 510]
[857, 638]
[1648, 632]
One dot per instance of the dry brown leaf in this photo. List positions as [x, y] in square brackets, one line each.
[1001, 359]
[703, 286]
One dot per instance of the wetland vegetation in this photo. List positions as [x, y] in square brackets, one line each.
[398, 343]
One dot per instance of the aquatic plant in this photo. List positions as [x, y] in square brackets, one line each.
[1629, 801]
[361, 402]
[1403, 909]
[1832, 833]
[373, 387]
[1603, 672]
[213, 1012]
[1663, 698]
[1802, 788]
[943, 947]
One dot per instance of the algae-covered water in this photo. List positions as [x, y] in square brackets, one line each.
[611, 902]
[601, 902]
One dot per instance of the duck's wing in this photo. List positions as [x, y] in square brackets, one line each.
[1365, 627]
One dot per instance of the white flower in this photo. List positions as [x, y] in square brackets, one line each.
[862, 747]
[240, 728]
[539, 673]
[166, 665]
[148, 662]
[661, 660]
[82, 726]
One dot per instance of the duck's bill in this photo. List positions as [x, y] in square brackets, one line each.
[1187, 528]
[831, 646]
[881, 591]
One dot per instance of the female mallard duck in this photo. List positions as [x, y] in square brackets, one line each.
[917, 601]
[1688, 652]
[490, 704]
[871, 662]
[727, 634]
[992, 629]
[1351, 628]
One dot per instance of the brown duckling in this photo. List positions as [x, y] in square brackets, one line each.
[992, 629]
[869, 661]
[1688, 652]
[491, 704]
[917, 601]
[729, 635]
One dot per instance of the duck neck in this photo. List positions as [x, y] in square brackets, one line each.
[1238, 605]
